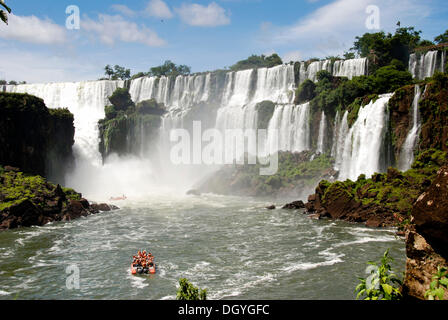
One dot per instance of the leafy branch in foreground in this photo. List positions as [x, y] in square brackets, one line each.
[187, 291]
[382, 283]
[3, 15]
[439, 285]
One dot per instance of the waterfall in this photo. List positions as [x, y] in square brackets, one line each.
[407, 151]
[422, 66]
[321, 137]
[290, 124]
[363, 144]
[339, 144]
[350, 68]
[86, 100]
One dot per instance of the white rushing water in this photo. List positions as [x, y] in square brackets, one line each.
[232, 95]
[321, 137]
[360, 147]
[422, 66]
[86, 100]
[408, 148]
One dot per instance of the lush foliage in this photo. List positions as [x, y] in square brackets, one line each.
[169, 68]
[117, 72]
[394, 191]
[439, 285]
[332, 93]
[16, 187]
[442, 38]
[382, 284]
[150, 107]
[188, 291]
[121, 99]
[382, 48]
[265, 111]
[255, 61]
[305, 92]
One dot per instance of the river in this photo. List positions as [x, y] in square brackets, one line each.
[232, 246]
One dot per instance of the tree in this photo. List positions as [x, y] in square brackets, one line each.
[121, 99]
[255, 61]
[442, 38]
[3, 15]
[108, 71]
[169, 68]
[187, 291]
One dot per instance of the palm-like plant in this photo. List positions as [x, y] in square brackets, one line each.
[3, 15]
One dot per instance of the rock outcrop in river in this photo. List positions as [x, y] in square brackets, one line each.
[427, 239]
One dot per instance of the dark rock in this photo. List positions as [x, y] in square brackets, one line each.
[102, 207]
[294, 205]
[430, 213]
[271, 207]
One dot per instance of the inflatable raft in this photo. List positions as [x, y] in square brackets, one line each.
[140, 270]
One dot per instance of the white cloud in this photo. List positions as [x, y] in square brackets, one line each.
[31, 29]
[39, 67]
[159, 9]
[124, 10]
[333, 27]
[292, 56]
[110, 29]
[203, 16]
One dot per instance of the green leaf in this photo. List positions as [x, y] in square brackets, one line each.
[387, 288]
[444, 282]
[440, 292]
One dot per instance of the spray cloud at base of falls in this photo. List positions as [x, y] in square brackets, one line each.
[221, 100]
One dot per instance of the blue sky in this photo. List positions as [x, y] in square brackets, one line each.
[204, 34]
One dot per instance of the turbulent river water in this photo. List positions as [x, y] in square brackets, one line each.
[232, 246]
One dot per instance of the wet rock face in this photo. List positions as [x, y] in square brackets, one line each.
[27, 201]
[430, 213]
[421, 264]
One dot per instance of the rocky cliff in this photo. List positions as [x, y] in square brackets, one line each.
[427, 238]
[36, 139]
[30, 200]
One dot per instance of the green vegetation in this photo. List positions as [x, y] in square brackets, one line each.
[382, 284]
[188, 291]
[394, 191]
[439, 285]
[255, 61]
[117, 73]
[306, 92]
[16, 187]
[3, 15]
[295, 170]
[442, 38]
[382, 48]
[169, 69]
[120, 131]
[265, 111]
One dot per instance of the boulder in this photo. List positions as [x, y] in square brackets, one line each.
[294, 205]
[430, 213]
[271, 207]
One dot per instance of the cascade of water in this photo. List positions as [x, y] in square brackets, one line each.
[321, 137]
[290, 125]
[350, 68]
[425, 65]
[339, 144]
[86, 100]
[407, 151]
[363, 144]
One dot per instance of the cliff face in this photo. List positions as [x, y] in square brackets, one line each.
[33, 137]
[129, 128]
[427, 240]
[29, 200]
